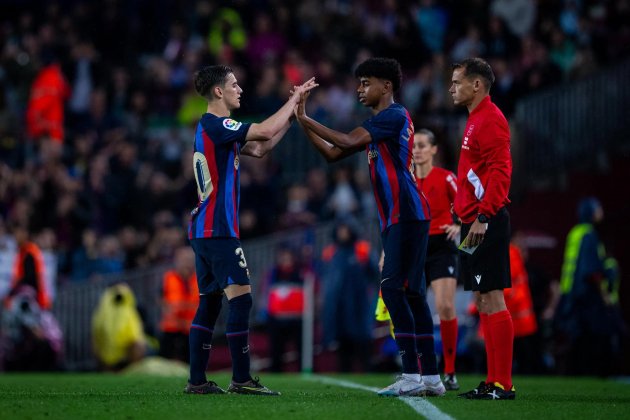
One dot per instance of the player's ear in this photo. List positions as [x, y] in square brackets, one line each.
[387, 86]
[218, 92]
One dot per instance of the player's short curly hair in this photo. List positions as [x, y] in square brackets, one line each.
[209, 77]
[382, 68]
[477, 67]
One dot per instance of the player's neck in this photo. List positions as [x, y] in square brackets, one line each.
[422, 171]
[384, 103]
[218, 108]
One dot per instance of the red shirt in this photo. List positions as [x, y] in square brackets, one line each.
[485, 164]
[440, 188]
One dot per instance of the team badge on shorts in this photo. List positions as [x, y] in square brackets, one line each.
[231, 124]
[236, 162]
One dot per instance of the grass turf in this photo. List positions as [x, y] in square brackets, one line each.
[107, 396]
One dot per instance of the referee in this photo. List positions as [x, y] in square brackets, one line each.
[483, 182]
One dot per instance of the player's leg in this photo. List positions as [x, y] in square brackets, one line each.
[231, 268]
[444, 290]
[491, 270]
[393, 279]
[415, 241]
[200, 337]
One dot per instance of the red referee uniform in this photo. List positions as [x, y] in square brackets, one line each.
[485, 164]
[440, 188]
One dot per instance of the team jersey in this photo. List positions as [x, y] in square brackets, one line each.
[218, 141]
[485, 164]
[391, 167]
[440, 188]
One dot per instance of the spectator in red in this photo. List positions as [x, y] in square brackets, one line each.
[45, 109]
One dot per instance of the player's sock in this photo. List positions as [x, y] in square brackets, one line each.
[487, 334]
[237, 333]
[403, 321]
[448, 330]
[424, 333]
[503, 340]
[200, 338]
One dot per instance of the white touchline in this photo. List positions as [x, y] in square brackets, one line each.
[419, 405]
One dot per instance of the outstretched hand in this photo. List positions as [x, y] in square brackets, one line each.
[300, 109]
[303, 88]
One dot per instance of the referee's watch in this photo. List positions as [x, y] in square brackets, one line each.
[483, 218]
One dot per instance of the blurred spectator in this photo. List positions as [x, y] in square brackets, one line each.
[297, 213]
[583, 314]
[30, 336]
[29, 269]
[117, 331]
[180, 297]
[45, 109]
[518, 300]
[349, 281]
[343, 200]
[283, 290]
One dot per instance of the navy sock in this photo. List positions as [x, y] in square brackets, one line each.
[424, 334]
[404, 331]
[200, 338]
[237, 333]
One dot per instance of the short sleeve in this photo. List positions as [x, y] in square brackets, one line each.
[384, 125]
[226, 130]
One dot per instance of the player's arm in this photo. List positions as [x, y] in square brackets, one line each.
[320, 135]
[331, 152]
[259, 148]
[269, 128]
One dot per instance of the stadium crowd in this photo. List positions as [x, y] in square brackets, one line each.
[104, 179]
[97, 107]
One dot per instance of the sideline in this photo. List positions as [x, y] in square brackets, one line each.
[418, 404]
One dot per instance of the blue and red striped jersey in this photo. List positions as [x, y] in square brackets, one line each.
[218, 142]
[398, 198]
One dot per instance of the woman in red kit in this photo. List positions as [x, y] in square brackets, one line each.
[440, 186]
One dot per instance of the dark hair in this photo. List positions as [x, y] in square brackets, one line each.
[209, 77]
[382, 68]
[477, 67]
[429, 135]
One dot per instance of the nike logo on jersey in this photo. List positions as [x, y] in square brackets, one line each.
[478, 278]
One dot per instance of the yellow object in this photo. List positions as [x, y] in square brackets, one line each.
[116, 325]
[382, 314]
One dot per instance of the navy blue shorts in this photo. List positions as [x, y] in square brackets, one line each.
[488, 268]
[405, 247]
[441, 258]
[220, 262]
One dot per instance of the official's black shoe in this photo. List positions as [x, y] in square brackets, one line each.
[496, 391]
[481, 388]
[251, 387]
[450, 382]
[207, 388]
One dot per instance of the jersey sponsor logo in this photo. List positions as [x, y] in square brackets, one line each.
[478, 278]
[231, 124]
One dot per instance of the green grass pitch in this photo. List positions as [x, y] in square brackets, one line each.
[111, 396]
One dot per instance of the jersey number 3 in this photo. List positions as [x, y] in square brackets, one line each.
[202, 176]
[242, 263]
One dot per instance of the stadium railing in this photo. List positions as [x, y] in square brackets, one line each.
[76, 302]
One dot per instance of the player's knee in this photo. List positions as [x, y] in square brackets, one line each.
[208, 305]
[391, 294]
[238, 315]
[446, 310]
